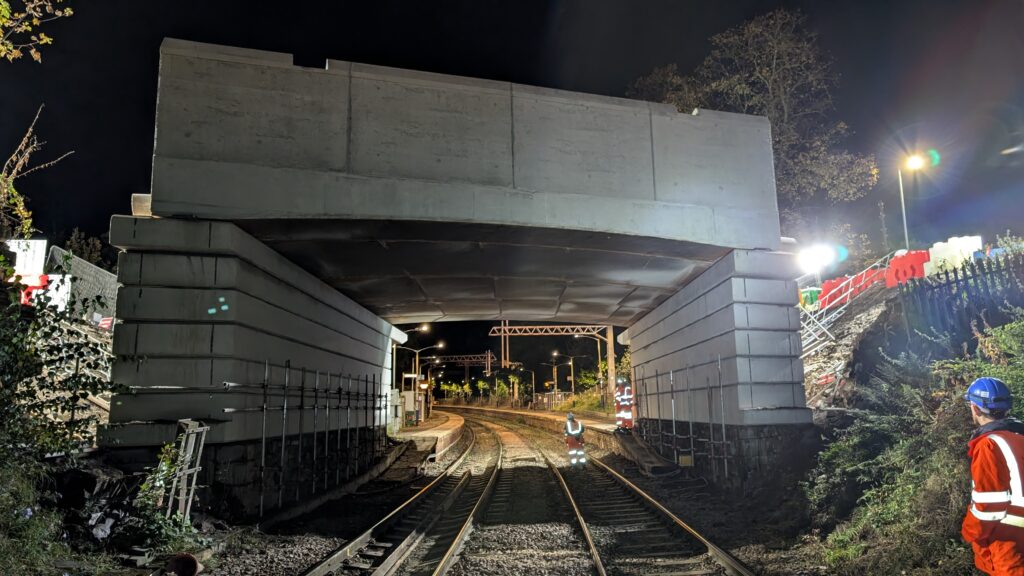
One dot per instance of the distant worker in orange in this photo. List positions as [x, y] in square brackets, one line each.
[623, 406]
[994, 524]
[574, 440]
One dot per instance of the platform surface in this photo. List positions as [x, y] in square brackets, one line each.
[589, 421]
[439, 430]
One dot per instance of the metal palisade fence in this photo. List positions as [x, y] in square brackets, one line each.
[956, 302]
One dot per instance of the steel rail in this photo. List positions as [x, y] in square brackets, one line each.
[731, 564]
[336, 559]
[449, 556]
[594, 554]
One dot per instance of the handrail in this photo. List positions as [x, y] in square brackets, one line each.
[844, 286]
[814, 325]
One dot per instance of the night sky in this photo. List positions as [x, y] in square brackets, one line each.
[914, 75]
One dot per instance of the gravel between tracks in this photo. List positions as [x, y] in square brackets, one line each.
[517, 549]
[480, 460]
[299, 543]
[762, 529]
[258, 554]
[533, 532]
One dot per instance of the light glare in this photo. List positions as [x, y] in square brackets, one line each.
[816, 258]
[915, 162]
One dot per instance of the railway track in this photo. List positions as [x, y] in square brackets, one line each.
[497, 510]
[628, 532]
[527, 526]
[381, 549]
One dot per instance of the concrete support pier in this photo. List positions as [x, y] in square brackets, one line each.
[717, 371]
[286, 371]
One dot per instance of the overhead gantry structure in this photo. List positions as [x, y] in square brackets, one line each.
[599, 332]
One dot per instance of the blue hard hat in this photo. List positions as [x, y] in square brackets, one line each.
[989, 394]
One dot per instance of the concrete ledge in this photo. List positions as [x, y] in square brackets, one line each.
[438, 439]
[223, 238]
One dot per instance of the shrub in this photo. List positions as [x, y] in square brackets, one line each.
[49, 363]
[895, 484]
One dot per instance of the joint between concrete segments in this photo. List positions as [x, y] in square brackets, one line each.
[348, 132]
[512, 130]
[654, 158]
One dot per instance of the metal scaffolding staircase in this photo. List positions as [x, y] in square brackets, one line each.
[815, 324]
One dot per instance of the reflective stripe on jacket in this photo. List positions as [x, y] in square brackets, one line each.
[997, 496]
[571, 430]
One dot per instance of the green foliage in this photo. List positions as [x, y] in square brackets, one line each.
[1010, 242]
[28, 534]
[450, 389]
[15, 216]
[149, 526]
[88, 248]
[482, 386]
[501, 389]
[772, 66]
[589, 401]
[587, 380]
[49, 364]
[19, 26]
[895, 484]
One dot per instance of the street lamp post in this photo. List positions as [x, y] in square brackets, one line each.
[554, 378]
[914, 163]
[533, 381]
[572, 370]
[604, 389]
[422, 328]
[416, 362]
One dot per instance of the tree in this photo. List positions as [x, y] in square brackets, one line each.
[587, 379]
[19, 29]
[772, 66]
[50, 361]
[15, 217]
[483, 387]
[88, 248]
[501, 389]
[514, 381]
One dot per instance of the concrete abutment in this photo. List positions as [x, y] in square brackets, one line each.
[216, 327]
[717, 372]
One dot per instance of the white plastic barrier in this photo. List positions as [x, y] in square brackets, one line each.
[953, 252]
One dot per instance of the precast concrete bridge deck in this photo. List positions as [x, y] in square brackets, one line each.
[296, 214]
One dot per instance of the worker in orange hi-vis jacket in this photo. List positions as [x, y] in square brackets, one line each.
[623, 406]
[994, 524]
[574, 440]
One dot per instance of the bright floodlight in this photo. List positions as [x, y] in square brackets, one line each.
[555, 353]
[816, 258]
[424, 328]
[915, 162]
[440, 345]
